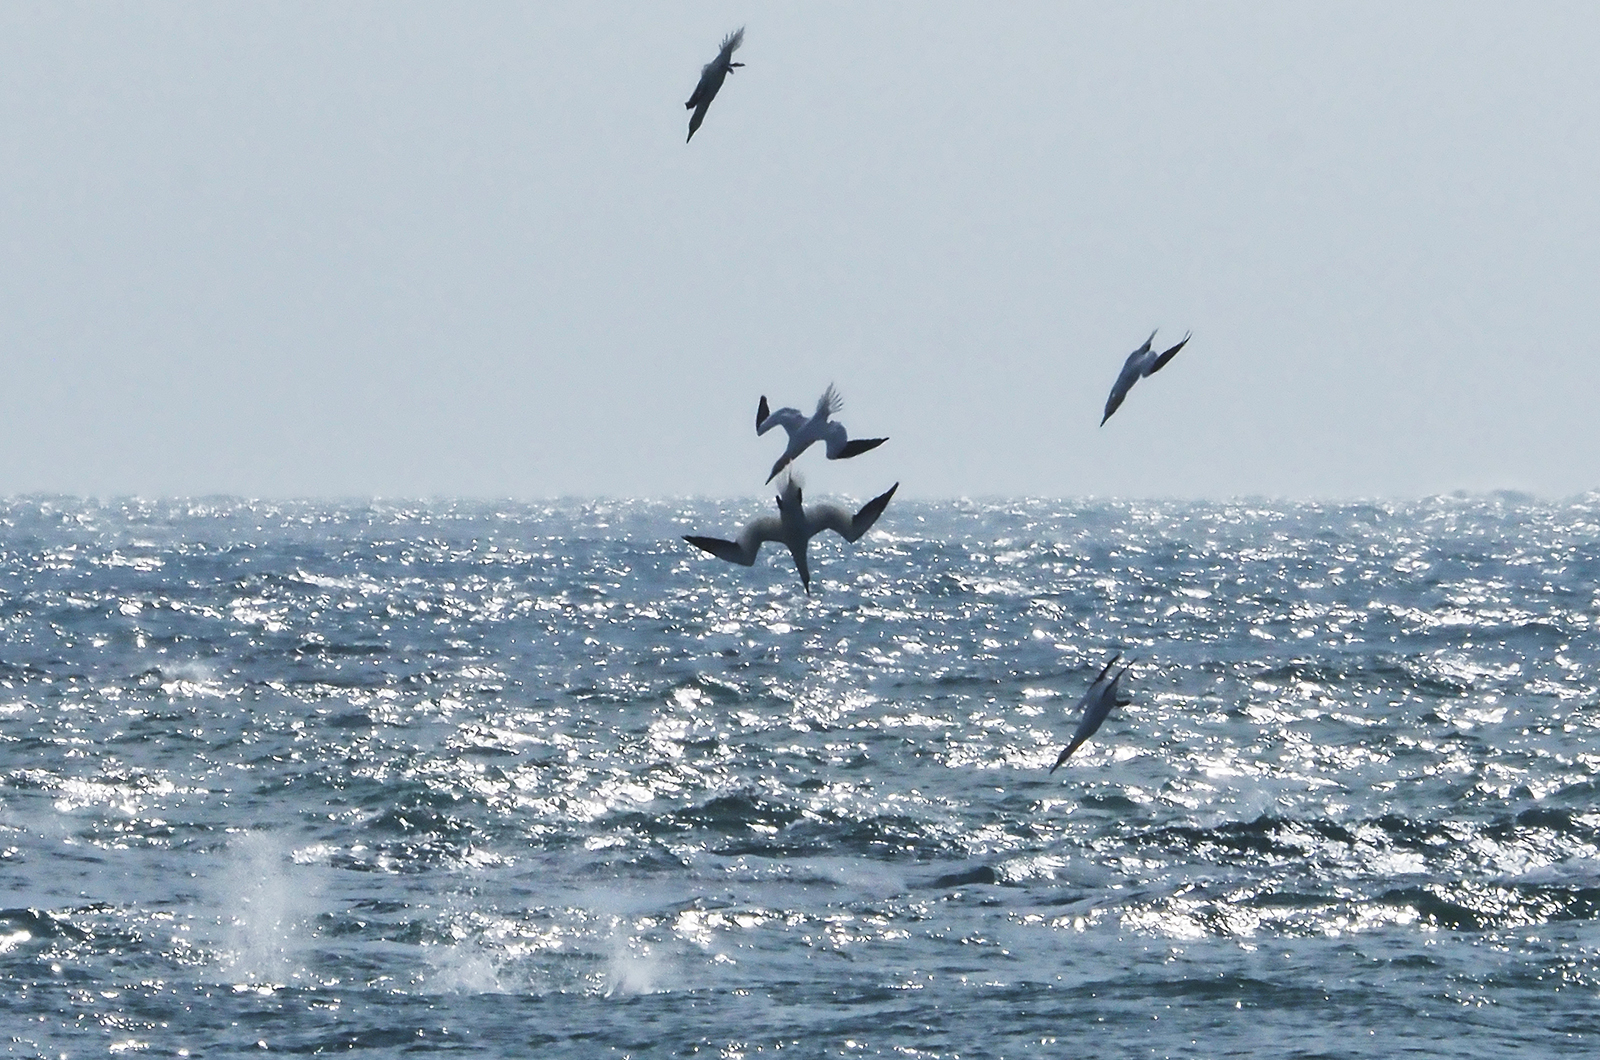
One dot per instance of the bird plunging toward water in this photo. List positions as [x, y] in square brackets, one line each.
[1096, 704]
[804, 431]
[711, 78]
[795, 526]
[1140, 363]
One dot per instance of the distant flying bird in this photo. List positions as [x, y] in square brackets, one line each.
[803, 431]
[795, 526]
[1140, 363]
[711, 77]
[1096, 704]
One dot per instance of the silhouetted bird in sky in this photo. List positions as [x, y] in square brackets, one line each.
[711, 77]
[795, 526]
[1140, 363]
[804, 431]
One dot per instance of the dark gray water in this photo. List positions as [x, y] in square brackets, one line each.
[544, 780]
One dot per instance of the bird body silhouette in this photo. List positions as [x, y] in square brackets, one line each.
[795, 526]
[1096, 704]
[1140, 363]
[804, 430]
[712, 75]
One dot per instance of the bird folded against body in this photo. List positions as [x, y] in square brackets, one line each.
[1140, 363]
[711, 78]
[1096, 704]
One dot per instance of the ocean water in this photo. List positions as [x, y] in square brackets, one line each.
[527, 780]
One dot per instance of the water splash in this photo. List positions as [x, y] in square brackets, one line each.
[265, 903]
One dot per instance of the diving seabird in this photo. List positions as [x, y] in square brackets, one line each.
[1096, 704]
[803, 431]
[711, 77]
[795, 526]
[1140, 363]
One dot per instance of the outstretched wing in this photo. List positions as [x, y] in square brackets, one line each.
[730, 44]
[870, 511]
[758, 530]
[822, 517]
[728, 550]
[840, 446]
[790, 420]
[835, 437]
[744, 550]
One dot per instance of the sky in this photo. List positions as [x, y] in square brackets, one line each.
[426, 250]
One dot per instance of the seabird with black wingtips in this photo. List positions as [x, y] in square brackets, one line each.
[1140, 363]
[795, 526]
[712, 75]
[1096, 704]
[804, 430]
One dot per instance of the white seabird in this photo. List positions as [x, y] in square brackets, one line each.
[795, 526]
[1140, 363]
[711, 77]
[1096, 704]
[818, 427]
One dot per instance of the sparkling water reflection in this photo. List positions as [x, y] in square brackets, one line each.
[501, 777]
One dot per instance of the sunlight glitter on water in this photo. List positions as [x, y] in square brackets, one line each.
[461, 752]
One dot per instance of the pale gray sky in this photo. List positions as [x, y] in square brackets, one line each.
[429, 249]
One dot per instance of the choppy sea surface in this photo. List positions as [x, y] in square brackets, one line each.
[524, 779]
